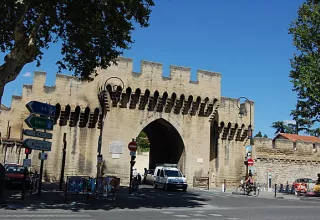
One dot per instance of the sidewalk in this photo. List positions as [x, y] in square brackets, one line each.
[262, 194]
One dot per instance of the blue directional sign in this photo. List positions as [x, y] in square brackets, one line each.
[39, 123]
[41, 108]
[37, 144]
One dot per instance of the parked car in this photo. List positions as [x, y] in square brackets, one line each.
[149, 178]
[300, 185]
[168, 176]
[14, 175]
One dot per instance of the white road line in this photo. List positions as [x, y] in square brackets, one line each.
[45, 216]
[199, 211]
[47, 219]
[182, 216]
[198, 215]
[216, 215]
[167, 212]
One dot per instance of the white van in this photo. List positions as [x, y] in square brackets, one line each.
[168, 176]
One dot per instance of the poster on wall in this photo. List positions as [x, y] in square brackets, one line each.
[116, 147]
[248, 151]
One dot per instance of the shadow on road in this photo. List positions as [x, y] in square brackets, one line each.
[147, 198]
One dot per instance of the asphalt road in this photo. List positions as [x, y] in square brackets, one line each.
[161, 205]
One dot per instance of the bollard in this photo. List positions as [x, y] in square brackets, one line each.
[225, 185]
[275, 190]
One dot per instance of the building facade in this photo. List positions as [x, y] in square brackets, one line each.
[187, 122]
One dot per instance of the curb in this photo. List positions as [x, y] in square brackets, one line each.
[278, 197]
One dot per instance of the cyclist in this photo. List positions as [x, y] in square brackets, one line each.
[249, 180]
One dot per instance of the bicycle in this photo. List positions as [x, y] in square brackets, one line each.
[252, 190]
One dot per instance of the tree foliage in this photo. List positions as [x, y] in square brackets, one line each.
[258, 134]
[143, 142]
[305, 73]
[301, 117]
[265, 136]
[92, 32]
[281, 127]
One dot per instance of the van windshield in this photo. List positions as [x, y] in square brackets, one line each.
[172, 173]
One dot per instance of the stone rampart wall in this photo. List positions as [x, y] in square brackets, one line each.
[285, 159]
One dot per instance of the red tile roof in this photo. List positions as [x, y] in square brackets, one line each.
[295, 137]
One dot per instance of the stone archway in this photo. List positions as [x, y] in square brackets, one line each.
[166, 144]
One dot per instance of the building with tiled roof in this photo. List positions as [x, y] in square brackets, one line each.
[296, 137]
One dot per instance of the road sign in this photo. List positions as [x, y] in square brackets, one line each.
[27, 163]
[39, 123]
[37, 144]
[39, 134]
[41, 108]
[250, 162]
[43, 156]
[132, 146]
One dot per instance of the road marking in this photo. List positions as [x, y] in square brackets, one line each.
[216, 215]
[44, 216]
[182, 216]
[47, 219]
[199, 211]
[167, 212]
[198, 215]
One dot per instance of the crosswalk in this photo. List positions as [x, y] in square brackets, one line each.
[197, 215]
[43, 215]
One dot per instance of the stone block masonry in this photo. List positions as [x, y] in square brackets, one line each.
[206, 127]
[286, 160]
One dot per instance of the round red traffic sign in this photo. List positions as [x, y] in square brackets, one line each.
[250, 162]
[132, 146]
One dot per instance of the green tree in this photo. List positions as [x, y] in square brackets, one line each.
[281, 127]
[265, 136]
[143, 142]
[258, 134]
[301, 115]
[314, 132]
[305, 73]
[93, 33]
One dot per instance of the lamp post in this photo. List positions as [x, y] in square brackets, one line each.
[242, 112]
[102, 96]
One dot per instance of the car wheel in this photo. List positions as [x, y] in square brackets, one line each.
[155, 185]
[184, 190]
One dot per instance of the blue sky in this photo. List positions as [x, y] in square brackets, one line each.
[246, 41]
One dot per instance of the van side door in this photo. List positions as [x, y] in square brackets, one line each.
[162, 178]
[157, 176]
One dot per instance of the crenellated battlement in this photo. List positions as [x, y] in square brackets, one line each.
[152, 74]
[286, 149]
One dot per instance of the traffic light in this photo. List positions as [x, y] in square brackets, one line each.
[27, 150]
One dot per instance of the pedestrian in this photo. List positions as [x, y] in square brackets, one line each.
[145, 175]
[135, 184]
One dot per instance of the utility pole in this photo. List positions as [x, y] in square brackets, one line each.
[63, 160]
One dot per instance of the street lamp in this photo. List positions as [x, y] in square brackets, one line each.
[242, 112]
[102, 95]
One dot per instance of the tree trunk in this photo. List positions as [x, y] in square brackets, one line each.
[19, 56]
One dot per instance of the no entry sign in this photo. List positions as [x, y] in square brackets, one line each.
[250, 162]
[132, 146]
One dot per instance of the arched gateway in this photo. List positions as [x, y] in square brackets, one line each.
[187, 122]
